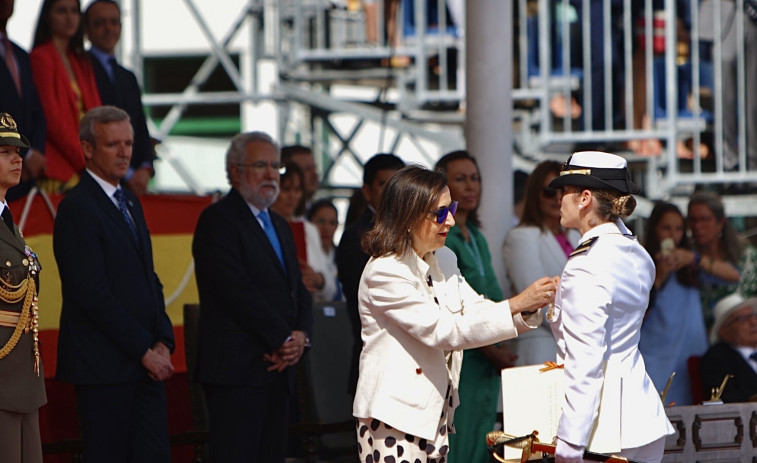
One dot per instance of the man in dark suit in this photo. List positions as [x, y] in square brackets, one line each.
[115, 337]
[255, 313]
[733, 350]
[350, 257]
[19, 98]
[118, 87]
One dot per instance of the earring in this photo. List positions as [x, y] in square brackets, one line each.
[580, 206]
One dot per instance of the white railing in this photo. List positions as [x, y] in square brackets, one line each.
[668, 88]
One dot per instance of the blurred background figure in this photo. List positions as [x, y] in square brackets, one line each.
[673, 328]
[726, 262]
[324, 216]
[67, 89]
[20, 99]
[350, 256]
[118, 87]
[539, 246]
[313, 262]
[480, 375]
[734, 343]
[305, 160]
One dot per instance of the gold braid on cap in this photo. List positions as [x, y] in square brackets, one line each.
[26, 291]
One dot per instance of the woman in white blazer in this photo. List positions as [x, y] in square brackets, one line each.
[597, 316]
[539, 246]
[418, 314]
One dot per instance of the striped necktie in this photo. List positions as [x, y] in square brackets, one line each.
[121, 199]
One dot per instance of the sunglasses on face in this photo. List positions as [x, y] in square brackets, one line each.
[441, 214]
[549, 192]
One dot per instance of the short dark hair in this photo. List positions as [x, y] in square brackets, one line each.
[85, 16]
[43, 32]
[318, 205]
[461, 155]
[380, 161]
[405, 203]
[99, 115]
[292, 150]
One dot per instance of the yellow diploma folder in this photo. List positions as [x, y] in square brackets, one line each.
[532, 401]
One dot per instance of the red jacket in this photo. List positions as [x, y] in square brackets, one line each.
[62, 148]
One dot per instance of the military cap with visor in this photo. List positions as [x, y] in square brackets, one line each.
[596, 170]
[9, 135]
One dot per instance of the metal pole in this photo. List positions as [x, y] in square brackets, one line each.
[489, 115]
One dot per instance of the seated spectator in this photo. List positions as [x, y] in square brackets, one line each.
[67, 89]
[21, 100]
[324, 216]
[313, 262]
[733, 351]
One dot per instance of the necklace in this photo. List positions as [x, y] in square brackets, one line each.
[473, 251]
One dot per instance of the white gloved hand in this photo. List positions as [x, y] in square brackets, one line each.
[566, 452]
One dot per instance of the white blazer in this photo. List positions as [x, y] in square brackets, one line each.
[529, 254]
[598, 311]
[412, 344]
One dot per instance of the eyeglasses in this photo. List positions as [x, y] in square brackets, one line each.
[261, 166]
[549, 192]
[441, 214]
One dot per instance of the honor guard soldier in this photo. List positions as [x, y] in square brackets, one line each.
[22, 390]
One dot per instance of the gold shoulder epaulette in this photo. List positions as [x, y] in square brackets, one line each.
[585, 246]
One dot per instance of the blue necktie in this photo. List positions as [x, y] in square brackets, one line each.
[119, 195]
[271, 234]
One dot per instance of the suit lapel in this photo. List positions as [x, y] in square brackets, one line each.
[249, 219]
[109, 208]
[8, 237]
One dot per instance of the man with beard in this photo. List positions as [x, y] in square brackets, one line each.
[255, 313]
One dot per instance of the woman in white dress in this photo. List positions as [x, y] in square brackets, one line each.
[539, 246]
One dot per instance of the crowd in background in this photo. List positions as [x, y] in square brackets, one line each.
[706, 274]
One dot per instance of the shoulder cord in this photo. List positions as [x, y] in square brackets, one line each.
[27, 291]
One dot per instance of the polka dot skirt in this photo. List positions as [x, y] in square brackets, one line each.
[378, 442]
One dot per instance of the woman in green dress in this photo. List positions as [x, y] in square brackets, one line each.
[480, 376]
